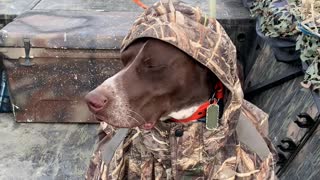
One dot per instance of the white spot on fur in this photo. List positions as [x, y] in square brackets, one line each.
[182, 114]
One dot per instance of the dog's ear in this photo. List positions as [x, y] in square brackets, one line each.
[132, 51]
[144, 48]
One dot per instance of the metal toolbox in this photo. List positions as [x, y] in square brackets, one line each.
[53, 58]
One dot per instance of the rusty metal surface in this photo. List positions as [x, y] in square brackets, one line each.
[52, 90]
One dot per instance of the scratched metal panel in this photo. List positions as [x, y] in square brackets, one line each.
[52, 90]
[68, 29]
[231, 13]
[16, 7]
[226, 9]
[10, 9]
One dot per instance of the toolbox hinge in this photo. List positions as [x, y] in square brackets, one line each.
[27, 48]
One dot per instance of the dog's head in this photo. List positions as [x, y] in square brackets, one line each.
[158, 80]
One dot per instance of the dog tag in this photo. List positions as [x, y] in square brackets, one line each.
[212, 117]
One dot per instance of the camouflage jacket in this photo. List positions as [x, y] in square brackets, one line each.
[237, 149]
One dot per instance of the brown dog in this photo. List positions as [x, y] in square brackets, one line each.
[158, 81]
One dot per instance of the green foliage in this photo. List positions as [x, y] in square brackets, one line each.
[276, 21]
[308, 46]
[259, 6]
[283, 21]
[310, 54]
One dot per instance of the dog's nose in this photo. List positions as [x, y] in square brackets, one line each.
[95, 101]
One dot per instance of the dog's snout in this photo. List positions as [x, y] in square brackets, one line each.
[96, 101]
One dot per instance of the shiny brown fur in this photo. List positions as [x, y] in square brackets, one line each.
[156, 80]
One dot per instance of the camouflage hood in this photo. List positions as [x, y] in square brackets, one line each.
[201, 37]
[238, 149]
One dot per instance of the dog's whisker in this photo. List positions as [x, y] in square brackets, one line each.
[137, 114]
[132, 118]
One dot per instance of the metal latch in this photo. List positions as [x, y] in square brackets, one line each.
[27, 58]
[288, 149]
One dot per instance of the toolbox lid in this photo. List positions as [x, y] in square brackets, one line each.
[62, 29]
[73, 28]
[12, 8]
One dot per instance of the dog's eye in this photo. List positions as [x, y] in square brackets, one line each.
[151, 64]
[125, 60]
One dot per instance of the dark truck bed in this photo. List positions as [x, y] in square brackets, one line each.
[62, 151]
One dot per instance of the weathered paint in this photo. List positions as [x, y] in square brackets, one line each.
[53, 88]
[10, 9]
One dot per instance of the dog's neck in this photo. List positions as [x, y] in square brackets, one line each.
[182, 113]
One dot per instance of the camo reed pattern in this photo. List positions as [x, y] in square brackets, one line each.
[199, 153]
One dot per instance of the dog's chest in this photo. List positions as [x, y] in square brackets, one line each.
[176, 149]
[179, 151]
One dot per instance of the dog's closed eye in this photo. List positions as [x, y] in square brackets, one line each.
[152, 64]
[125, 58]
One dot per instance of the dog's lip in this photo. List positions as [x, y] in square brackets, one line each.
[148, 125]
[99, 118]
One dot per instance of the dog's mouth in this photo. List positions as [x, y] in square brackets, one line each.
[144, 125]
[100, 118]
[148, 125]
[125, 120]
